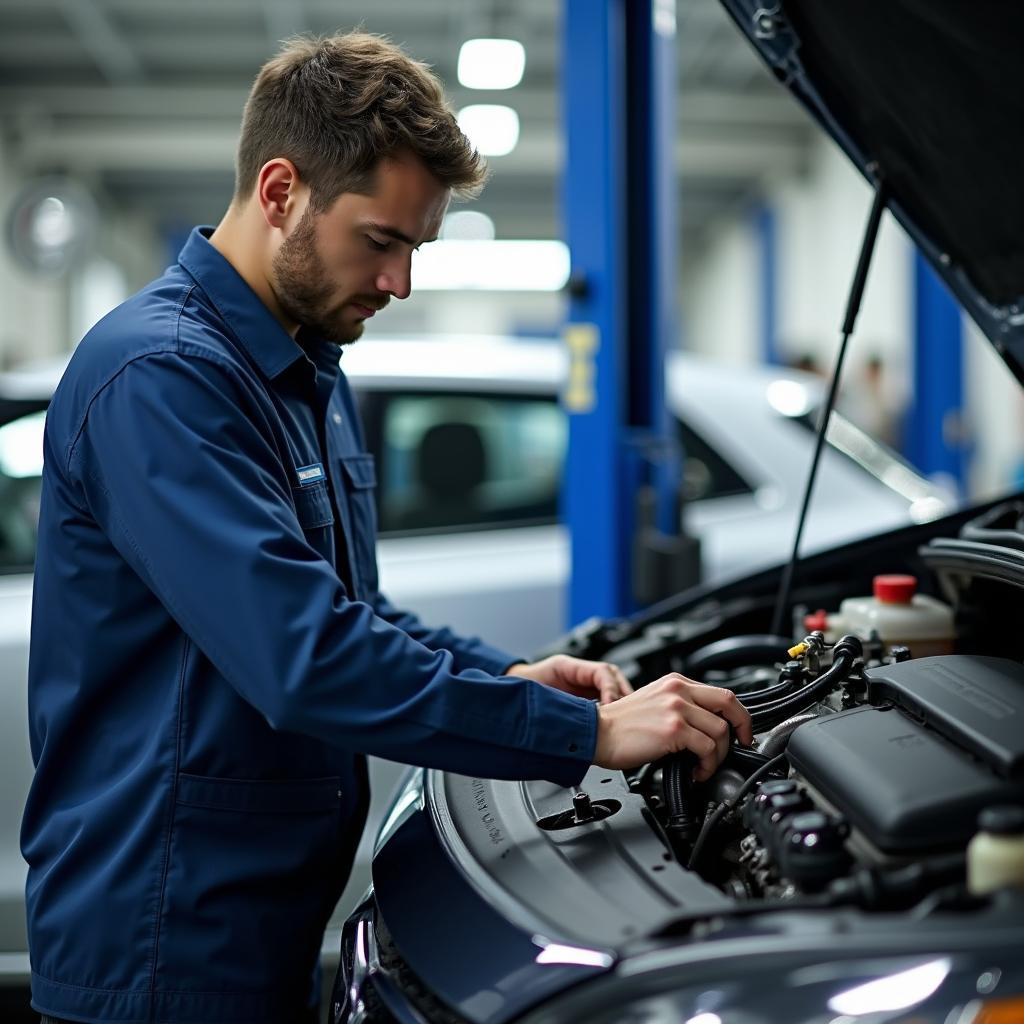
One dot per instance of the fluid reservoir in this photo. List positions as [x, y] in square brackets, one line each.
[899, 614]
[995, 856]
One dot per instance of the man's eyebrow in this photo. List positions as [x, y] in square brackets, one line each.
[391, 232]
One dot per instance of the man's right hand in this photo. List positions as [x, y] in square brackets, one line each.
[669, 715]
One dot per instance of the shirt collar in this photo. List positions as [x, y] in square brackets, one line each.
[257, 330]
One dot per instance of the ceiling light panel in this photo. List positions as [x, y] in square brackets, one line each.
[491, 63]
[493, 129]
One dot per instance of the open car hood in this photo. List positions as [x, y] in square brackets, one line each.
[927, 95]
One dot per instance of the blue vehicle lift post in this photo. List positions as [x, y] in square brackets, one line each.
[933, 439]
[619, 211]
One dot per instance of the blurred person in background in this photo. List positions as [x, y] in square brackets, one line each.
[870, 402]
[211, 655]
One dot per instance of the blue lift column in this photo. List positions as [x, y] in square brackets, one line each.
[619, 214]
[933, 439]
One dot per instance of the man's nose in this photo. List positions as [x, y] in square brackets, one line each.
[396, 278]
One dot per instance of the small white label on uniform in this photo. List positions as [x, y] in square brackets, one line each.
[310, 474]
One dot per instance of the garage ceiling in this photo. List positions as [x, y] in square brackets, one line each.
[142, 98]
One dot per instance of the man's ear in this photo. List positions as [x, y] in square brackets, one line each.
[280, 193]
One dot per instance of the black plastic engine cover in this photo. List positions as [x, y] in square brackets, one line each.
[976, 702]
[907, 788]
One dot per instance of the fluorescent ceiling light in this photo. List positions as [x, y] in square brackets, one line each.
[468, 225]
[491, 63]
[525, 265]
[491, 128]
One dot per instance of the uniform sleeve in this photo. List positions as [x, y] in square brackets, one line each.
[467, 652]
[174, 465]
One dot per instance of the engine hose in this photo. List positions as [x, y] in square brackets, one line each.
[846, 653]
[745, 759]
[735, 652]
[775, 742]
[836, 672]
[681, 823]
[766, 693]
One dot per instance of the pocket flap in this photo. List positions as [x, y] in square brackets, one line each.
[359, 471]
[276, 796]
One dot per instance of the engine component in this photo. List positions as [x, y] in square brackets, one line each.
[995, 856]
[736, 652]
[911, 787]
[974, 701]
[681, 823]
[792, 842]
[898, 615]
[846, 658]
[810, 851]
[775, 742]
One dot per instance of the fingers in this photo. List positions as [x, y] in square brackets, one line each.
[705, 749]
[724, 703]
[714, 741]
[610, 682]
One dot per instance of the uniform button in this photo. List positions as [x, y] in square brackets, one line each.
[337, 418]
[573, 748]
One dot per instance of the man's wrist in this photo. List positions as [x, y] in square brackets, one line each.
[602, 741]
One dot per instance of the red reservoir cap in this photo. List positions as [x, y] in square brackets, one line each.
[895, 589]
[816, 620]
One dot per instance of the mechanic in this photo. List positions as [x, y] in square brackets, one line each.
[211, 656]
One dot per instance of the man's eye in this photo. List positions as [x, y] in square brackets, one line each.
[375, 245]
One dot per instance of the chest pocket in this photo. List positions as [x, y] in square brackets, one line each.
[360, 477]
[316, 517]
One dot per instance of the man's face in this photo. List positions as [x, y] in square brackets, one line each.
[337, 268]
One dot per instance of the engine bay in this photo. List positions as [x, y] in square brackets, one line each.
[880, 779]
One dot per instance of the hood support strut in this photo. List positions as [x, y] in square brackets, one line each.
[867, 250]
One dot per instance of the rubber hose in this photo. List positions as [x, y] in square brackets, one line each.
[677, 778]
[737, 651]
[778, 738]
[846, 653]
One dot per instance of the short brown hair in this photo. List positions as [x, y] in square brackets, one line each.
[337, 105]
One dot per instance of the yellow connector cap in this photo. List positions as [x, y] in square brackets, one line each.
[795, 652]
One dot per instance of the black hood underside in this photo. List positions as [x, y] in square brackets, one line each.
[928, 96]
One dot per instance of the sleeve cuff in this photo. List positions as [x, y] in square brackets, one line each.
[565, 728]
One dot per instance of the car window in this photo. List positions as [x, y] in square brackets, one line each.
[706, 474]
[21, 467]
[456, 461]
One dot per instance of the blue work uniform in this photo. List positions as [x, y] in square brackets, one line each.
[211, 658]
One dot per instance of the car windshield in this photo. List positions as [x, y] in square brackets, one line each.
[21, 467]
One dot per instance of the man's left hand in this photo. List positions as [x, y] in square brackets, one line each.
[574, 675]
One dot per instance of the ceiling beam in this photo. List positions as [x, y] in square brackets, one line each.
[109, 50]
[696, 107]
[94, 148]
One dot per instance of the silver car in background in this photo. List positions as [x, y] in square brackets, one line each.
[470, 442]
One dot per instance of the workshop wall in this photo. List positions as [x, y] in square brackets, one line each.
[720, 305]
